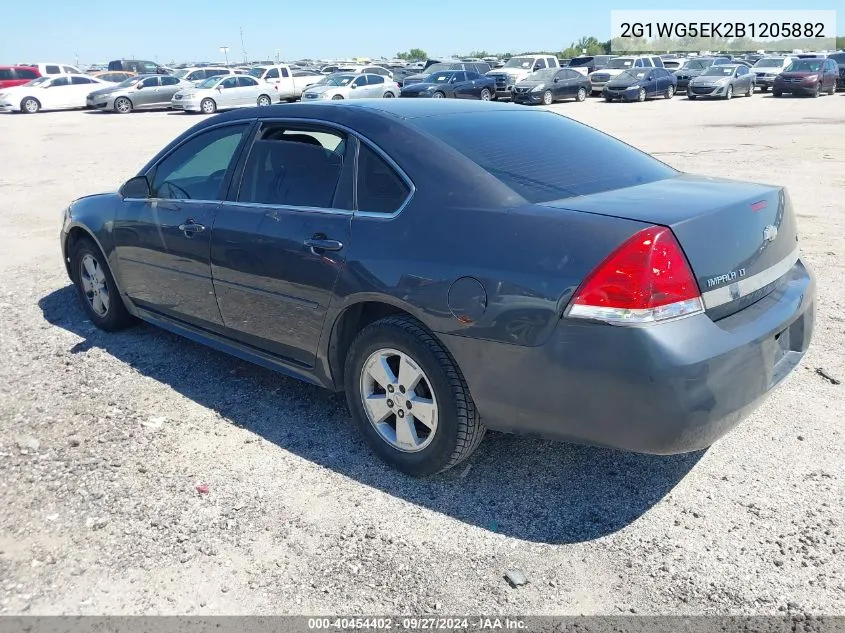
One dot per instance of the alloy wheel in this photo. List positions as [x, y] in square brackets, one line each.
[485, 95]
[123, 105]
[93, 280]
[399, 400]
[547, 97]
[31, 105]
[582, 94]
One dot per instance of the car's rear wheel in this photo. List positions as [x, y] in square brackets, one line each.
[670, 92]
[547, 98]
[485, 94]
[96, 287]
[730, 93]
[641, 95]
[581, 95]
[208, 106]
[264, 101]
[388, 95]
[438, 95]
[764, 88]
[123, 105]
[30, 105]
[409, 398]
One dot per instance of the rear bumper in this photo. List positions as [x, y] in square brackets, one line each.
[671, 388]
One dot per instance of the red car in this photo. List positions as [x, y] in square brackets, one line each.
[812, 76]
[11, 76]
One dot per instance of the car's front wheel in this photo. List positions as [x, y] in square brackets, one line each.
[30, 105]
[548, 99]
[670, 92]
[96, 287]
[730, 93]
[438, 95]
[409, 398]
[641, 95]
[123, 105]
[581, 96]
[485, 94]
[208, 106]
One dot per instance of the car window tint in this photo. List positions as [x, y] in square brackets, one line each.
[80, 80]
[59, 81]
[195, 170]
[292, 168]
[273, 73]
[540, 155]
[285, 72]
[244, 81]
[374, 79]
[52, 70]
[6, 73]
[230, 82]
[380, 188]
[26, 73]
[150, 82]
[169, 81]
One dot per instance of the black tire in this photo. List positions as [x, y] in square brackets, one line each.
[609, 99]
[30, 105]
[730, 93]
[817, 91]
[264, 101]
[485, 95]
[459, 429]
[125, 106]
[388, 95]
[690, 96]
[581, 95]
[548, 98]
[439, 95]
[776, 93]
[337, 98]
[208, 106]
[670, 92]
[116, 316]
[764, 88]
[641, 95]
[832, 90]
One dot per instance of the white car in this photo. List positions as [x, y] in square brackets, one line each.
[350, 86]
[198, 74]
[56, 92]
[372, 70]
[51, 68]
[222, 93]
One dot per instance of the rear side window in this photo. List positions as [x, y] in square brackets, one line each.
[6, 73]
[380, 188]
[26, 73]
[169, 81]
[244, 82]
[80, 80]
[374, 79]
[52, 70]
[541, 155]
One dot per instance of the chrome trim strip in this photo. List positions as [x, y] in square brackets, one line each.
[264, 205]
[738, 289]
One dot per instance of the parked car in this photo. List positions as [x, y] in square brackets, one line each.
[335, 250]
[518, 68]
[197, 74]
[11, 76]
[365, 69]
[639, 84]
[619, 65]
[137, 66]
[722, 81]
[287, 82]
[552, 84]
[58, 92]
[767, 68]
[222, 93]
[811, 76]
[436, 67]
[589, 63]
[115, 77]
[839, 58]
[143, 92]
[351, 86]
[694, 66]
[673, 64]
[452, 84]
[44, 69]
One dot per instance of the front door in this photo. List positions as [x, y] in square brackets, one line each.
[162, 243]
[280, 242]
[147, 93]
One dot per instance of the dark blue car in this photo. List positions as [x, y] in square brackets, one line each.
[457, 266]
[639, 84]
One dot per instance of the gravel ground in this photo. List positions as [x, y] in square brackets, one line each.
[104, 439]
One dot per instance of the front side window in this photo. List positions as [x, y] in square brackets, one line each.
[195, 76]
[360, 81]
[380, 188]
[59, 81]
[273, 73]
[293, 167]
[150, 82]
[230, 82]
[195, 170]
[78, 81]
[52, 70]
[244, 81]
[169, 81]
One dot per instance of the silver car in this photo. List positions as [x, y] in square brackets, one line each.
[221, 93]
[722, 81]
[144, 92]
[351, 86]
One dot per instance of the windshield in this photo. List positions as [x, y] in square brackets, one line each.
[257, 71]
[769, 62]
[38, 82]
[127, 82]
[805, 65]
[520, 62]
[621, 62]
[547, 74]
[180, 74]
[718, 71]
[209, 83]
[439, 68]
[634, 75]
[439, 78]
[581, 61]
[339, 80]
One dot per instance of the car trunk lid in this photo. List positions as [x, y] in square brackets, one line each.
[740, 238]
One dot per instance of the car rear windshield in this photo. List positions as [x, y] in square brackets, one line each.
[543, 156]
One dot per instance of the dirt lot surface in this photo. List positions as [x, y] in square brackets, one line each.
[104, 438]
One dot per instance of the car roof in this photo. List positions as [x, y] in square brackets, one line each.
[399, 108]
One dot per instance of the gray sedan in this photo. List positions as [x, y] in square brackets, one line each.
[144, 92]
[723, 82]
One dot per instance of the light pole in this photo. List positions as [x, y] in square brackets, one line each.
[225, 51]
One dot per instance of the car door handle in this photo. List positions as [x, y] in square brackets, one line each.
[190, 227]
[322, 244]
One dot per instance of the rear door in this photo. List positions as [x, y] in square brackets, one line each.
[169, 87]
[162, 242]
[281, 238]
[375, 85]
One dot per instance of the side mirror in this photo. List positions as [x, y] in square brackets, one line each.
[353, 86]
[556, 80]
[137, 187]
[139, 86]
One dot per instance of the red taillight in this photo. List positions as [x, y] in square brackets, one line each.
[646, 279]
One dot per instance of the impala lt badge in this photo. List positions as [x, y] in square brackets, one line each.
[770, 233]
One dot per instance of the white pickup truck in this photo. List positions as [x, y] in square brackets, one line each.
[288, 82]
[518, 68]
